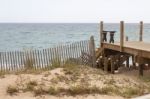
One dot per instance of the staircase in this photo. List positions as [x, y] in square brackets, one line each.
[118, 58]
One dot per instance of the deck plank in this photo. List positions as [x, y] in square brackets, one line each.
[131, 47]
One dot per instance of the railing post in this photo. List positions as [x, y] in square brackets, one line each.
[93, 51]
[121, 35]
[101, 33]
[141, 32]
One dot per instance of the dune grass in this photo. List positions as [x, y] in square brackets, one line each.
[78, 79]
[12, 90]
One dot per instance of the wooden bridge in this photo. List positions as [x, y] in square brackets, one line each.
[111, 56]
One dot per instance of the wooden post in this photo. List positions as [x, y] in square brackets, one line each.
[112, 65]
[127, 61]
[93, 51]
[121, 35]
[140, 62]
[106, 64]
[101, 33]
[127, 39]
[100, 62]
[141, 32]
[140, 69]
[134, 61]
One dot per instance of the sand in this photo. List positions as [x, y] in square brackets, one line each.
[46, 77]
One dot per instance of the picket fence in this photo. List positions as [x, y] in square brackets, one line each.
[82, 53]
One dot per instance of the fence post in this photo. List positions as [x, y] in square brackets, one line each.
[92, 50]
[101, 33]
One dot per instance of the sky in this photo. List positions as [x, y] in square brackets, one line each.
[70, 11]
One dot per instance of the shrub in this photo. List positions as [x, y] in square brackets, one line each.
[12, 90]
[30, 86]
[130, 92]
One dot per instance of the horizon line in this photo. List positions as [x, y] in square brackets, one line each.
[70, 22]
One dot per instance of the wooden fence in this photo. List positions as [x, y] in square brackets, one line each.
[81, 53]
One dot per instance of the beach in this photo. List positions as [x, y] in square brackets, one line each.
[73, 83]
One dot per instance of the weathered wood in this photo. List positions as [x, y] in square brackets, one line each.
[41, 59]
[76, 50]
[36, 59]
[16, 59]
[100, 62]
[105, 64]
[121, 36]
[140, 62]
[127, 38]
[101, 33]
[127, 61]
[14, 63]
[4, 68]
[82, 53]
[5, 58]
[8, 58]
[50, 56]
[141, 69]
[46, 58]
[21, 61]
[112, 65]
[1, 61]
[93, 52]
[59, 55]
[33, 57]
[131, 47]
[141, 31]
[62, 55]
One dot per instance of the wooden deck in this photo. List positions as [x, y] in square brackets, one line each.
[113, 55]
[131, 47]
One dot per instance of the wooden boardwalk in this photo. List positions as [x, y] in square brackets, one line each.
[131, 47]
[112, 55]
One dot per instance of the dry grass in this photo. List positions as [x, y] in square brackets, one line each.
[79, 90]
[129, 92]
[2, 74]
[73, 90]
[80, 80]
[12, 90]
[39, 91]
[30, 86]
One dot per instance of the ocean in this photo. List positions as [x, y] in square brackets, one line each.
[20, 36]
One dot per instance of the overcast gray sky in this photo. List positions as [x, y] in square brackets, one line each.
[74, 10]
